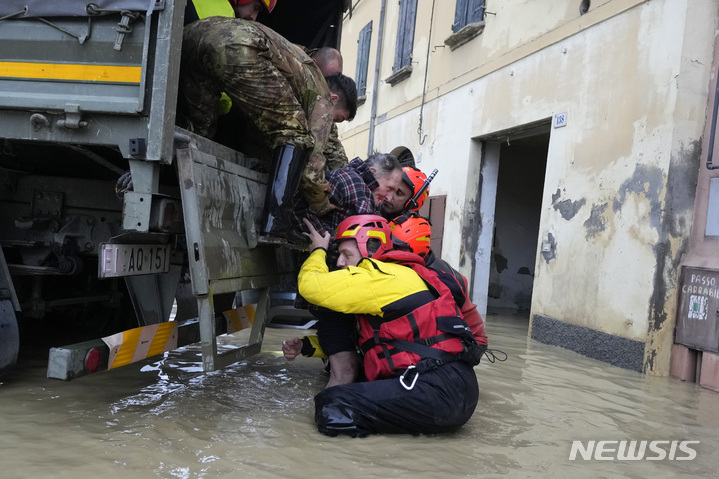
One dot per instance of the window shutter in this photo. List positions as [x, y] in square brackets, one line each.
[405, 34]
[363, 59]
[409, 31]
[460, 15]
[400, 37]
[476, 11]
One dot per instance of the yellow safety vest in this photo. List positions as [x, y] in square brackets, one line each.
[213, 8]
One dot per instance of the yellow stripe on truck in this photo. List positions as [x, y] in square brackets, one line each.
[140, 343]
[71, 71]
[240, 318]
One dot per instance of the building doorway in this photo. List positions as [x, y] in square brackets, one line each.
[512, 184]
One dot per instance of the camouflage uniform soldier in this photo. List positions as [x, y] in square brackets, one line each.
[282, 91]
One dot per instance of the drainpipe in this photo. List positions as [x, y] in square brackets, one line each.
[420, 131]
[712, 133]
[375, 86]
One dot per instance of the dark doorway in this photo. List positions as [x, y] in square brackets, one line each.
[520, 182]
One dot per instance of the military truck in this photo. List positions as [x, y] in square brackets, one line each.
[88, 91]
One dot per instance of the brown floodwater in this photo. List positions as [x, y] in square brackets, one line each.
[165, 418]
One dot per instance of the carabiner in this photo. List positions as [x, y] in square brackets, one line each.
[401, 378]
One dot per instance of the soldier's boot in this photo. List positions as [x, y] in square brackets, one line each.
[288, 163]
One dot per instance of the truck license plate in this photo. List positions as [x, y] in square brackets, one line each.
[133, 259]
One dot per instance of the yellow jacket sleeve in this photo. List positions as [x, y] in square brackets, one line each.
[363, 289]
[311, 347]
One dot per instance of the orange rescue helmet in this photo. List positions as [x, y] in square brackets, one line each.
[415, 179]
[413, 232]
[362, 228]
[269, 4]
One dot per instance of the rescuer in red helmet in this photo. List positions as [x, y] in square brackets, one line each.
[418, 350]
[249, 9]
[410, 195]
[411, 232]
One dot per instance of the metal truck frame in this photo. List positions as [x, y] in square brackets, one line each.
[88, 91]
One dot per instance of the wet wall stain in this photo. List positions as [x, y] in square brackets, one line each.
[679, 200]
[668, 217]
[596, 223]
[500, 262]
[681, 187]
[568, 208]
[648, 182]
[658, 300]
[650, 361]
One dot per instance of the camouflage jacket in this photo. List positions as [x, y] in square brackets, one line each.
[275, 84]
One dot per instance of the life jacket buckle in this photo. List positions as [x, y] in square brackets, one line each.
[414, 379]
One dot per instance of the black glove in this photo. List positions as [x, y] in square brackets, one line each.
[124, 183]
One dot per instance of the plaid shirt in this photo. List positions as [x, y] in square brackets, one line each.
[352, 188]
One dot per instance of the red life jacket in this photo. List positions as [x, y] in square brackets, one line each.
[457, 284]
[430, 332]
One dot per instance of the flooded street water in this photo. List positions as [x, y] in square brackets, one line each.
[167, 419]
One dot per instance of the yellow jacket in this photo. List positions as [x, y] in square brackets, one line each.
[367, 288]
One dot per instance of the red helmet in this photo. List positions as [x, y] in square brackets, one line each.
[415, 179]
[413, 232]
[362, 228]
[269, 4]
